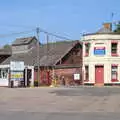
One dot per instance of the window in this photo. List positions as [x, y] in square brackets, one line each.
[3, 73]
[114, 72]
[114, 49]
[87, 48]
[86, 73]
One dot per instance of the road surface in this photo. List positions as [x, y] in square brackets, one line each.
[82, 103]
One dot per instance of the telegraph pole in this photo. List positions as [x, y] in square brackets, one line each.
[47, 37]
[38, 55]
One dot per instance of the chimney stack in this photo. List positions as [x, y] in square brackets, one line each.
[108, 26]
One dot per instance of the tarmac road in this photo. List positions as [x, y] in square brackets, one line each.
[82, 103]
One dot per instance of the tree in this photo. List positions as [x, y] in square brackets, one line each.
[7, 46]
[117, 29]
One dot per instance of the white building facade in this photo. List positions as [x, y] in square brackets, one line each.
[5, 74]
[101, 58]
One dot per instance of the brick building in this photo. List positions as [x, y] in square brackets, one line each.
[63, 59]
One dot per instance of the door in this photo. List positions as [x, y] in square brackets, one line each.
[29, 74]
[99, 74]
[27, 77]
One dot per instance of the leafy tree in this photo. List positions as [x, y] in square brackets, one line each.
[6, 46]
[117, 29]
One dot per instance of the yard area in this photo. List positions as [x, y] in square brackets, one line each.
[81, 103]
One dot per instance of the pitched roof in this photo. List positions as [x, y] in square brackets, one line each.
[23, 41]
[5, 51]
[55, 52]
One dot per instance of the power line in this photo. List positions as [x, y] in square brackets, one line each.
[16, 33]
[53, 34]
[33, 29]
[19, 26]
[41, 30]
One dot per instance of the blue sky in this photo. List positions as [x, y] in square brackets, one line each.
[67, 18]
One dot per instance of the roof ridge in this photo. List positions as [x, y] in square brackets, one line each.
[25, 37]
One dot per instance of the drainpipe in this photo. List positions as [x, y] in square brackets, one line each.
[9, 74]
[83, 75]
[25, 76]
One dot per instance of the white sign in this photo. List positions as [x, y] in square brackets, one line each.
[17, 66]
[76, 76]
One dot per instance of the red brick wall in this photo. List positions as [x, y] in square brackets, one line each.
[69, 75]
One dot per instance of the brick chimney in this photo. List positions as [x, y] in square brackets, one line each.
[108, 26]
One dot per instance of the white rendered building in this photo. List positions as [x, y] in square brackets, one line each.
[101, 57]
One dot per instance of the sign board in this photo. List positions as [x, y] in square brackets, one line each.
[17, 76]
[99, 50]
[17, 66]
[76, 76]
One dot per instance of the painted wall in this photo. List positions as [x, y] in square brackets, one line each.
[5, 82]
[101, 40]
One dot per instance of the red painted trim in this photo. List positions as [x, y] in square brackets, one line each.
[114, 80]
[97, 65]
[86, 80]
[114, 54]
[86, 54]
[114, 41]
[114, 65]
[97, 48]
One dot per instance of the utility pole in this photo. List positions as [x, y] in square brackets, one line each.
[38, 56]
[47, 37]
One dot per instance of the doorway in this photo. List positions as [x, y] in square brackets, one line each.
[99, 74]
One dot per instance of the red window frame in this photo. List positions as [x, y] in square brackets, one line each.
[114, 54]
[115, 73]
